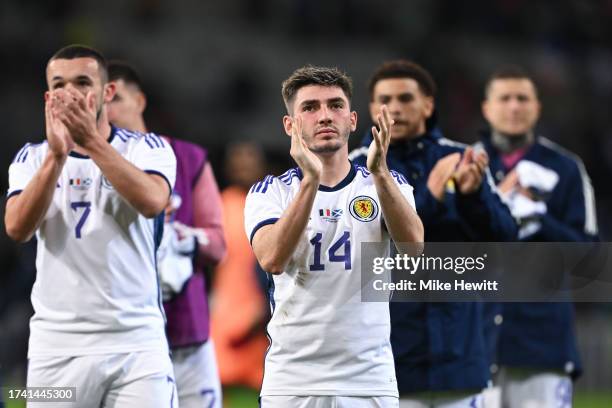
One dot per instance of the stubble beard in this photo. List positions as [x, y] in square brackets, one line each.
[331, 146]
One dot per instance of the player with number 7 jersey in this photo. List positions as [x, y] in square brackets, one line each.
[93, 194]
[327, 347]
[96, 288]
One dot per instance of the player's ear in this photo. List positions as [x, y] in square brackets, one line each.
[484, 107]
[109, 91]
[287, 124]
[429, 106]
[538, 108]
[353, 121]
[141, 101]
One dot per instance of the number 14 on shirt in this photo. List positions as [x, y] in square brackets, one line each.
[343, 244]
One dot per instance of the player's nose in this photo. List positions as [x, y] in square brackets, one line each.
[394, 106]
[325, 115]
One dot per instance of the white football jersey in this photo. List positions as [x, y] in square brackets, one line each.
[323, 339]
[96, 288]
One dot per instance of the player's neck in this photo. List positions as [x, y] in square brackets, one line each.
[335, 168]
[511, 143]
[139, 125]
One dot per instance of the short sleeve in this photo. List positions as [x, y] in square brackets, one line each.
[154, 155]
[263, 205]
[405, 187]
[24, 166]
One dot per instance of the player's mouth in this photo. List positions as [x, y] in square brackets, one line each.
[400, 123]
[326, 132]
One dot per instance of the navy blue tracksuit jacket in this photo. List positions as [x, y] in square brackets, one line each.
[541, 335]
[442, 346]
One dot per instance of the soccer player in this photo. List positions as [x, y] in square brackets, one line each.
[193, 240]
[92, 194]
[440, 349]
[549, 191]
[327, 347]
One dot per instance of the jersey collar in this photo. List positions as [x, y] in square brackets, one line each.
[84, 156]
[345, 182]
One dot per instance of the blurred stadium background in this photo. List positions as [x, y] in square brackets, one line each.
[212, 71]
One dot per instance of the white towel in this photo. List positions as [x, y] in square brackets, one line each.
[175, 260]
[523, 207]
[534, 175]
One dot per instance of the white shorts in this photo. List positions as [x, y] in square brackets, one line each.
[197, 376]
[281, 401]
[136, 379]
[442, 400]
[535, 389]
[492, 397]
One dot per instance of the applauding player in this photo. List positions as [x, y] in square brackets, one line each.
[550, 194]
[328, 348]
[92, 196]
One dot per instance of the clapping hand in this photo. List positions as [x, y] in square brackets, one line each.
[308, 162]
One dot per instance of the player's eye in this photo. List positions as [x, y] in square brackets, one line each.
[504, 98]
[337, 105]
[58, 85]
[522, 98]
[307, 108]
[405, 98]
[384, 99]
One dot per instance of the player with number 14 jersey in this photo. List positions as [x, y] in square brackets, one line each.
[324, 339]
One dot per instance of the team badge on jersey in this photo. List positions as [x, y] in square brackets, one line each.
[363, 208]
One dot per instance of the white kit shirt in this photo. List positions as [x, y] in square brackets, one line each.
[96, 288]
[324, 339]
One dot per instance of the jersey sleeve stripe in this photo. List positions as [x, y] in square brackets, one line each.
[262, 186]
[154, 140]
[590, 217]
[13, 193]
[263, 223]
[25, 156]
[17, 158]
[158, 139]
[161, 175]
[146, 139]
[121, 136]
[590, 221]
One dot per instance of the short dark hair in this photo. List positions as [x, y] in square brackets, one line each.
[508, 72]
[82, 51]
[403, 69]
[122, 70]
[313, 75]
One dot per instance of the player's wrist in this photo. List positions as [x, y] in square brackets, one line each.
[57, 158]
[311, 180]
[381, 172]
[93, 143]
